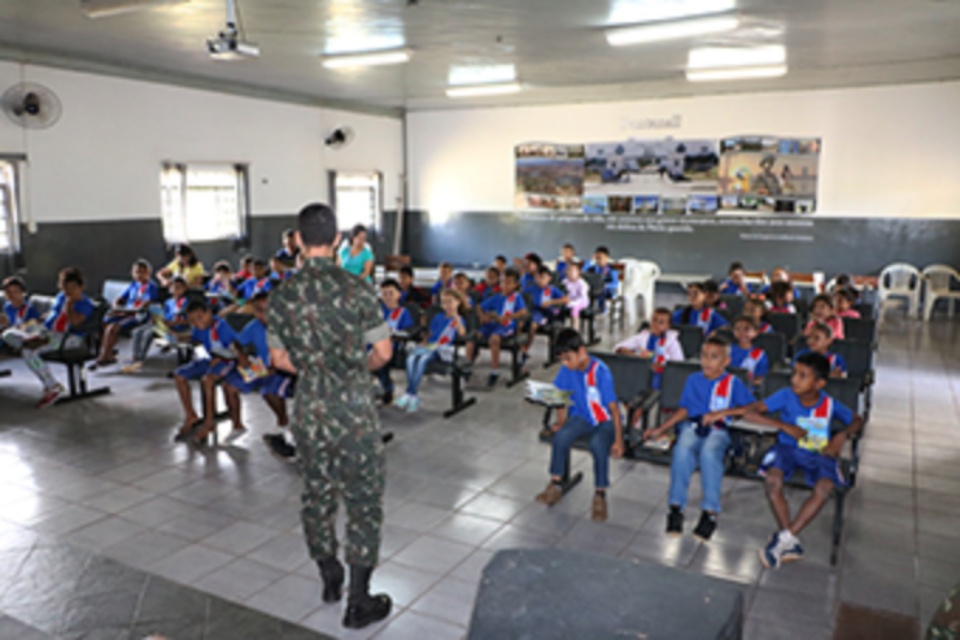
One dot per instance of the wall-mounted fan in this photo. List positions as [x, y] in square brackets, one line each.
[32, 106]
[339, 137]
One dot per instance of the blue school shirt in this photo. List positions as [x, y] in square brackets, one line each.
[591, 391]
[138, 295]
[528, 284]
[561, 269]
[439, 286]
[754, 360]
[443, 330]
[545, 295]
[611, 278]
[398, 319]
[816, 419]
[255, 335]
[504, 304]
[837, 362]
[217, 339]
[17, 316]
[701, 396]
[285, 256]
[174, 309]
[706, 318]
[253, 286]
[730, 288]
[57, 318]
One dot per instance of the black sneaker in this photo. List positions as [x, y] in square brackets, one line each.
[492, 380]
[706, 526]
[675, 523]
[280, 447]
[387, 398]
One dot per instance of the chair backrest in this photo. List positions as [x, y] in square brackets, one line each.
[787, 324]
[238, 321]
[843, 390]
[595, 282]
[774, 345]
[675, 376]
[940, 277]
[639, 273]
[733, 303]
[691, 340]
[631, 375]
[867, 310]
[43, 304]
[112, 289]
[899, 277]
[858, 354]
[776, 380]
[863, 329]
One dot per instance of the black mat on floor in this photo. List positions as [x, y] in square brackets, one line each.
[861, 623]
[558, 594]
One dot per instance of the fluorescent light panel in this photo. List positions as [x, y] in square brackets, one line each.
[483, 90]
[481, 74]
[634, 11]
[368, 59]
[736, 73]
[106, 8]
[659, 32]
[723, 57]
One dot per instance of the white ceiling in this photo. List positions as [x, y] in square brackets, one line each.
[557, 46]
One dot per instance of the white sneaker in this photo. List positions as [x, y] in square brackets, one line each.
[234, 435]
[413, 405]
[402, 401]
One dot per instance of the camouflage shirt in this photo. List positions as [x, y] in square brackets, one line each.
[324, 318]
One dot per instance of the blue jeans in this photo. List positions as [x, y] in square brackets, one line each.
[417, 363]
[601, 439]
[691, 451]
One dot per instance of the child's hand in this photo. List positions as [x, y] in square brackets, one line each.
[835, 448]
[653, 434]
[556, 426]
[624, 351]
[617, 449]
[712, 417]
[645, 354]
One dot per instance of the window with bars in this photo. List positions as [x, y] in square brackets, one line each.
[9, 208]
[356, 199]
[201, 202]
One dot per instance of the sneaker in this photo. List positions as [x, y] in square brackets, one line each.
[387, 398]
[280, 447]
[551, 495]
[771, 554]
[792, 553]
[234, 435]
[492, 379]
[132, 367]
[50, 397]
[402, 401]
[413, 405]
[675, 523]
[598, 512]
[706, 526]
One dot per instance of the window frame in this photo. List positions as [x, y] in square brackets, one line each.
[377, 222]
[242, 174]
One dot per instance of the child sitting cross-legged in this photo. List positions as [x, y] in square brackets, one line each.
[698, 313]
[806, 442]
[593, 411]
[499, 315]
[821, 310]
[444, 329]
[658, 342]
[819, 340]
[743, 355]
[398, 319]
[702, 436]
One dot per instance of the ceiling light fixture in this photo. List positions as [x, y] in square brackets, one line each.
[367, 59]
[107, 8]
[673, 30]
[721, 57]
[736, 73]
[481, 74]
[484, 90]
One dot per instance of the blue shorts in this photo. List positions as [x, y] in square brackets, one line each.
[275, 384]
[200, 368]
[815, 466]
[496, 329]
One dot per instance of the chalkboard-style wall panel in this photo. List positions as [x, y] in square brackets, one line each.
[690, 243]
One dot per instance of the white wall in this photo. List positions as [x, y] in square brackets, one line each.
[888, 151]
[102, 159]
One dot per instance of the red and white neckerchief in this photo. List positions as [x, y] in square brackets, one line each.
[657, 346]
[141, 298]
[765, 327]
[703, 318]
[509, 307]
[598, 413]
[61, 324]
[751, 361]
[832, 359]
[178, 304]
[261, 283]
[22, 313]
[545, 297]
[393, 320]
[721, 393]
[448, 333]
[214, 335]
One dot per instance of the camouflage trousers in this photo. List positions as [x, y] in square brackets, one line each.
[946, 621]
[342, 463]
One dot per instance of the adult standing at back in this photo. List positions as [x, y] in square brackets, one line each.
[320, 322]
[184, 264]
[356, 256]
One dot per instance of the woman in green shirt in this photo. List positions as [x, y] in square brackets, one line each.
[357, 256]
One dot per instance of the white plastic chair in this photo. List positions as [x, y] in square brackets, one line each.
[937, 279]
[900, 280]
[640, 279]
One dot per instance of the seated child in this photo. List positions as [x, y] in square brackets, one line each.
[498, 317]
[578, 294]
[409, 293]
[490, 286]
[169, 327]
[398, 319]
[780, 298]
[843, 300]
[736, 281]
[129, 309]
[279, 270]
[819, 340]
[594, 411]
[697, 313]
[259, 282]
[219, 289]
[289, 252]
[780, 274]
[21, 329]
[743, 355]
[611, 279]
[821, 310]
[755, 310]
[529, 280]
[444, 282]
[567, 256]
[702, 436]
[444, 329]
[658, 342]
[213, 358]
[549, 303]
[711, 295]
[254, 372]
[461, 284]
[501, 263]
[806, 442]
[245, 272]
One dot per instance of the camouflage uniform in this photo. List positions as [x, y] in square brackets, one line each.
[324, 318]
[946, 621]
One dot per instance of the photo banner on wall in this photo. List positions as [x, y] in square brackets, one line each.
[670, 176]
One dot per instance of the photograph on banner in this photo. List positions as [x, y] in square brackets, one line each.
[619, 204]
[646, 205]
[549, 176]
[666, 166]
[595, 204]
[767, 173]
[673, 206]
[702, 204]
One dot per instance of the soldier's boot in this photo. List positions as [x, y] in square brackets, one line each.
[331, 570]
[363, 608]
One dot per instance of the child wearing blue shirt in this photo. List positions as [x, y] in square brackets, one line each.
[22, 330]
[444, 281]
[259, 282]
[611, 279]
[213, 359]
[743, 355]
[220, 287]
[702, 436]
[498, 316]
[529, 281]
[129, 309]
[697, 313]
[172, 323]
[755, 310]
[289, 252]
[567, 256]
[398, 319]
[818, 341]
[594, 411]
[735, 283]
[444, 329]
[808, 441]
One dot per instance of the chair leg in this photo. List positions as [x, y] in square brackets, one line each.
[518, 375]
[837, 527]
[457, 402]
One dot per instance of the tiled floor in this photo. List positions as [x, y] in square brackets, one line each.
[104, 475]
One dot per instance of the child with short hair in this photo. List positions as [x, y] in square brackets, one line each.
[806, 441]
[780, 298]
[220, 287]
[755, 310]
[697, 312]
[129, 310]
[398, 319]
[213, 358]
[445, 281]
[498, 316]
[548, 300]
[819, 339]
[567, 256]
[279, 270]
[611, 279]
[711, 295]
[289, 251]
[21, 327]
[780, 274]
[259, 282]
[821, 310]
[529, 280]
[170, 324]
[490, 286]
[843, 301]
[501, 263]
[461, 284]
[743, 355]
[409, 292]
[444, 330]
[578, 294]
[702, 436]
[594, 411]
[735, 283]
[246, 270]
[658, 342]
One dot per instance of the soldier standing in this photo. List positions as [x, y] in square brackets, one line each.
[320, 322]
